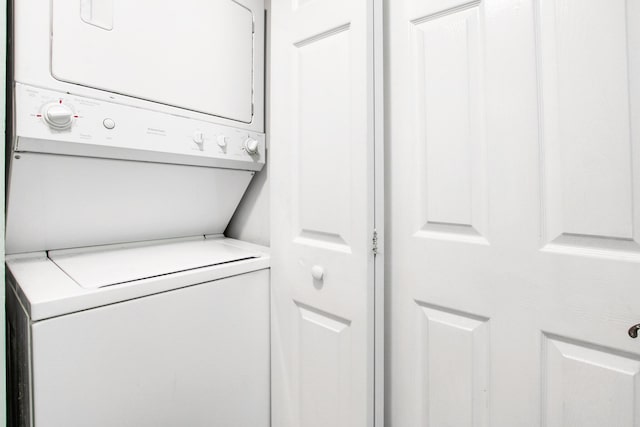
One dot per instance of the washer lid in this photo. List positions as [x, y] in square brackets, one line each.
[111, 265]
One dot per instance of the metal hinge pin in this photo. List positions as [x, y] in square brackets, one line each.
[375, 242]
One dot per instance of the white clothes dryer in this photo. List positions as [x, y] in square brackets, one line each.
[194, 58]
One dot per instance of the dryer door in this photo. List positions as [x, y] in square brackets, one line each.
[193, 54]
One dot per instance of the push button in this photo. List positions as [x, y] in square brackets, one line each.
[222, 141]
[109, 123]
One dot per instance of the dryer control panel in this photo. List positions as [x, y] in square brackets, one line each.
[62, 123]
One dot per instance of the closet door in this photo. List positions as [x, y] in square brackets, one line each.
[515, 206]
[322, 182]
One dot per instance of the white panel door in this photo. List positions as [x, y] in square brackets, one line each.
[515, 213]
[321, 163]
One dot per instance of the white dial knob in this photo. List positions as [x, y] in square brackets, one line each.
[58, 116]
[198, 137]
[222, 141]
[251, 145]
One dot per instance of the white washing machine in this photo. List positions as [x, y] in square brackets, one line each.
[137, 128]
[171, 333]
[126, 304]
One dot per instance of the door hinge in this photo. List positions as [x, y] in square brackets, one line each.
[374, 240]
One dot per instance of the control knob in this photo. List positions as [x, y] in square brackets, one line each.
[251, 145]
[198, 137]
[58, 116]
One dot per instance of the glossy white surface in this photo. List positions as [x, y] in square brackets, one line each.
[47, 291]
[58, 123]
[212, 59]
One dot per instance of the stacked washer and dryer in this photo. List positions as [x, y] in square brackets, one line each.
[137, 127]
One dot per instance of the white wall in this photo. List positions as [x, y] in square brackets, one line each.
[251, 220]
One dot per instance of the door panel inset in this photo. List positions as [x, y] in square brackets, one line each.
[450, 137]
[588, 386]
[323, 125]
[323, 368]
[146, 51]
[590, 94]
[454, 367]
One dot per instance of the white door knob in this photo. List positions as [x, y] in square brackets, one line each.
[251, 145]
[58, 116]
[317, 272]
